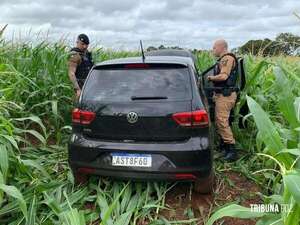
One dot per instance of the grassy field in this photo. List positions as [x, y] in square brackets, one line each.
[37, 187]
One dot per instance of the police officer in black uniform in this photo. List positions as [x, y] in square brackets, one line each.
[80, 63]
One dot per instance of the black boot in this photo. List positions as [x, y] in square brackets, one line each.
[230, 153]
[221, 146]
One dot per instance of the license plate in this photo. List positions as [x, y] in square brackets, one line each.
[131, 160]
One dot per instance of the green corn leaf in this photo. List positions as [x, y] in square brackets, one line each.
[54, 107]
[53, 204]
[235, 211]
[294, 151]
[32, 211]
[285, 97]
[292, 182]
[107, 214]
[133, 203]
[72, 217]
[1, 182]
[35, 119]
[36, 134]
[103, 204]
[256, 71]
[11, 140]
[293, 216]
[297, 108]
[267, 130]
[125, 199]
[3, 161]
[123, 219]
[271, 220]
[15, 193]
[37, 165]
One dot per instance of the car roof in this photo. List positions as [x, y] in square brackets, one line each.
[171, 52]
[167, 59]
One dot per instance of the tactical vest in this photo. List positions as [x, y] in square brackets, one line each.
[84, 67]
[230, 82]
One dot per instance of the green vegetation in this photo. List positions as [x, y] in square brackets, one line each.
[37, 187]
[284, 44]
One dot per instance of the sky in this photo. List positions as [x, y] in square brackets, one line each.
[121, 24]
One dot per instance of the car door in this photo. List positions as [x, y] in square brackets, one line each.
[208, 89]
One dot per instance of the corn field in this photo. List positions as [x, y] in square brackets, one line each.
[37, 186]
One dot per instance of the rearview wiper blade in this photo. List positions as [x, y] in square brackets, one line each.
[148, 97]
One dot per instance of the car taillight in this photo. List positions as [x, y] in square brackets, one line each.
[198, 118]
[82, 117]
[137, 66]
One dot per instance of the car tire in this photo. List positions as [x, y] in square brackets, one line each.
[205, 185]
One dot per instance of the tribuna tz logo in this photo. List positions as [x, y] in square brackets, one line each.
[270, 208]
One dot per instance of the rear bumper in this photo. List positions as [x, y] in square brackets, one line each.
[188, 160]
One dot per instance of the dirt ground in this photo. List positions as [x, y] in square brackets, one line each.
[185, 203]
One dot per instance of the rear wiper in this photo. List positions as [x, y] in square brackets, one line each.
[147, 97]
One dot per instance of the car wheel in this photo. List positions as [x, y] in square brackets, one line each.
[205, 185]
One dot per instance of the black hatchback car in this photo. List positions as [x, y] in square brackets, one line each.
[143, 119]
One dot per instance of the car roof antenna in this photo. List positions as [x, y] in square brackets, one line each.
[142, 50]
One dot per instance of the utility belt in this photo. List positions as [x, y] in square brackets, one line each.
[225, 91]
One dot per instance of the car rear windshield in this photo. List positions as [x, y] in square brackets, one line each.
[130, 84]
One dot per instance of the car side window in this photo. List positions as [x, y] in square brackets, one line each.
[198, 78]
[196, 74]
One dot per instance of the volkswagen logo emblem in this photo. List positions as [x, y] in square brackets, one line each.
[132, 117]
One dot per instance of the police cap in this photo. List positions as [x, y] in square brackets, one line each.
[84, 38]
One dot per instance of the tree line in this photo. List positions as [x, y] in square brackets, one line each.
[283, 44]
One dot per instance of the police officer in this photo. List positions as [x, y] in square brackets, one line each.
[225, 75]
[80, 63]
